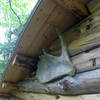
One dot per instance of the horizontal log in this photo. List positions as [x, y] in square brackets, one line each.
[86, 56]
[82, 83]
[15, 98]
[83, 62]
[74, 6]
[33, 96]
[8, 85]
[82, 37]
[93, 5]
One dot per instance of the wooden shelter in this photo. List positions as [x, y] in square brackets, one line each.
[79, 22]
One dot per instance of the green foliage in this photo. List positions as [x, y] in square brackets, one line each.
[10, 22]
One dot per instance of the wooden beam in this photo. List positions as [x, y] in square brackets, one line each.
[34, 96]
[78, 9]
[86, 56]
[82, 83]
[87, 60]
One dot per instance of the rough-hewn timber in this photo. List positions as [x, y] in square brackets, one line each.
[94, 5]
[82, 83]
[87, 60]
[33, 96]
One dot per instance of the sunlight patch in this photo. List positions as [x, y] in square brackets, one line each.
[2, 34]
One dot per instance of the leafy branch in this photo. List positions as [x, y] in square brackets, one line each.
[14, 12]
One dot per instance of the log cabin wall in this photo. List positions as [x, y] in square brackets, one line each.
[84, 47]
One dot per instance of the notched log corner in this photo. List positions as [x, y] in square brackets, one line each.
[25, 62]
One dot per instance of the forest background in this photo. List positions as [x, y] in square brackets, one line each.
[13, 17]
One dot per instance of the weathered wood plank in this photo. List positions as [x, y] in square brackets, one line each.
[93, 5]
[40, 16]
[33, 96]
[75, 7]
[15, 98]
[87, 60]
[47, 33]
[82, 83]
[86, 56]
[81, 37]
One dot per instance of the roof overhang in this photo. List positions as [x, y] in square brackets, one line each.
[39, 34]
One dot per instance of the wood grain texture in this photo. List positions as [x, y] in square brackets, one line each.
[93, 5]
[34, 96]
[87, 60]
[75, 7]
[15, 98]
[83, 57]
[40, 29]
[82, 83]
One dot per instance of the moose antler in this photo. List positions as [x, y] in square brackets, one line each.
[53, 67]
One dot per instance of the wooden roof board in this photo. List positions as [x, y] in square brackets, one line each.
[84, 1]
[39, 34]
